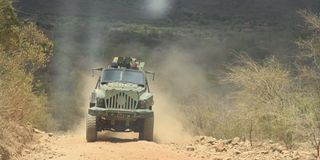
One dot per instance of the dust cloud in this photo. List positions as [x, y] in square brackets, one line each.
[179, 77]
[168, 126]
[157, 8]
[89, 84]
[180, 74]
[78, 48]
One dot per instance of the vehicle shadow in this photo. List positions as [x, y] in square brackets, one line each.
[117, 137]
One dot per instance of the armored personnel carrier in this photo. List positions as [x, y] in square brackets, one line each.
[121, 100]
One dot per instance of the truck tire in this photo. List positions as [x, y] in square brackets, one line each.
[91, 132]
[147, 129]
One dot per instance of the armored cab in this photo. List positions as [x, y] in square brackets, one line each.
[121, 100]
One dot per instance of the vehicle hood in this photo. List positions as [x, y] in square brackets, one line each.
[122, 87]
[116, 87]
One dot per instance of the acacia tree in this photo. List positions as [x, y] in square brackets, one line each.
[265, 99]
[310, 79]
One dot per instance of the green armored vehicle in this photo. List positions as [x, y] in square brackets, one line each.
[121, 101]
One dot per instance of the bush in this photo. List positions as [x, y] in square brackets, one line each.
[309, 69]
[265, 98]
[24, 50]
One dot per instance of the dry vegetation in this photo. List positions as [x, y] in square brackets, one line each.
[24, 51]
[272, 100]
[265, 99]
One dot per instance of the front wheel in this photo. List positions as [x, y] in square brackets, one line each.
[91, 129]
[147, 129]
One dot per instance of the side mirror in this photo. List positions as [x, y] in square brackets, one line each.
[95, 69]
[152, 73]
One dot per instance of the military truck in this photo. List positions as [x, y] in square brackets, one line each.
[121, 100]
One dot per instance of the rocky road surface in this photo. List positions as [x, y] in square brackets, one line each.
[75, 147]
[127, 147]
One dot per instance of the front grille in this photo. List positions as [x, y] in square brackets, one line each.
[121, 100]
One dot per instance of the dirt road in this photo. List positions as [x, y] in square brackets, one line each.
[127, 147]
[75, 147]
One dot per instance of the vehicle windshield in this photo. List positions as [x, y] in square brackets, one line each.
[126, 76]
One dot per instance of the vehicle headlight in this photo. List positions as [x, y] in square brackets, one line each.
[145, 104]
[100, 102]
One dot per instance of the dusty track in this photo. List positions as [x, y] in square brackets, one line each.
[74, 147]
[127, 147]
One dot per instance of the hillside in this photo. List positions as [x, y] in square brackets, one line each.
[207, 34]
[271, 11]
[224, 69]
